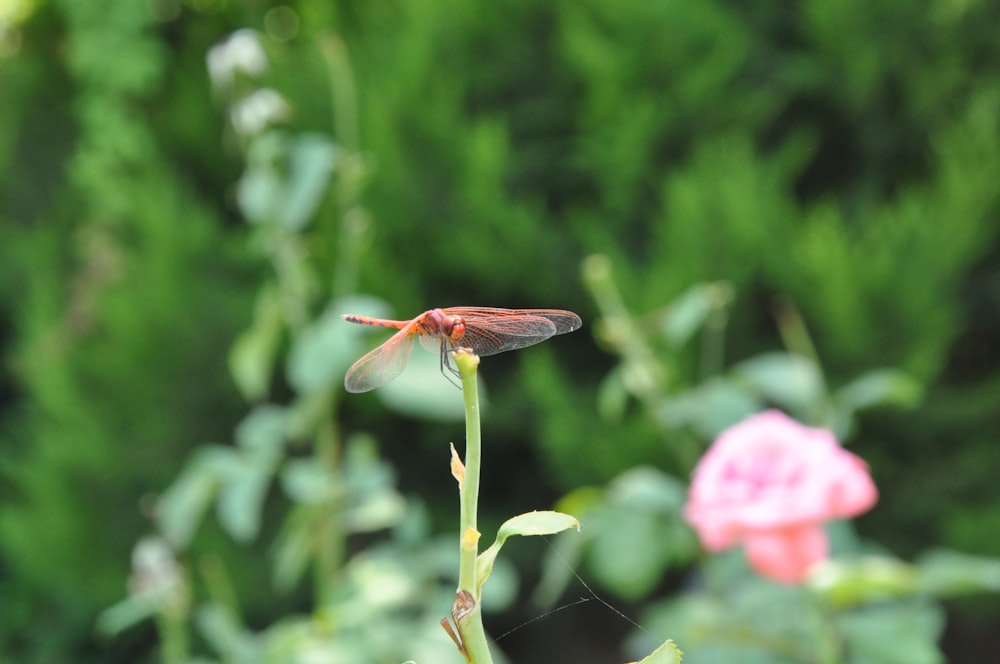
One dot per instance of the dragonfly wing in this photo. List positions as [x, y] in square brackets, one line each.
[565, 321]
[492, 336]
[489, 331]
[380, 366]
[430, 342]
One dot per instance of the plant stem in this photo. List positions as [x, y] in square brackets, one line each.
[467, 611]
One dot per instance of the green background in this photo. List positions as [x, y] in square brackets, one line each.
[835, 158]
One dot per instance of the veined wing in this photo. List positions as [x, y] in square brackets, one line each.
[489, 330]
[382, 365]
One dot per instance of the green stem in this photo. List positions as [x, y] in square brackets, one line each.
[469, 619]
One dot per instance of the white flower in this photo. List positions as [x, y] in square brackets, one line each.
[253, 113]
[242, 52]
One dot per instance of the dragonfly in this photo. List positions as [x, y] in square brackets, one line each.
[485, 330]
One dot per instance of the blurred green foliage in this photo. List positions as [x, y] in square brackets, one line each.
[820, 177]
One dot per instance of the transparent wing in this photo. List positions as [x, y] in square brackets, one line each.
[489, 331]
[380, 366]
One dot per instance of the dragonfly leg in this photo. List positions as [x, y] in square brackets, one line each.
[446, 365]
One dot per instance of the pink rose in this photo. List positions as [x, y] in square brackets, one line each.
[770, 483]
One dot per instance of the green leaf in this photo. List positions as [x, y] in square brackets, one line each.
[263, 431]
[310, 165]
[709, 408]
[124, 614]
[882, 386]
[951, 573]
[612, 396]
[321, 353]
[893, 633]
[225, 636]
[688, 313]
[296, 544]
[787, 379]
[667, 653]
[181, 507]
[241, 498]
[308, 481]
[629, 553]
[528, 524]
[260, 190]
[251, 360]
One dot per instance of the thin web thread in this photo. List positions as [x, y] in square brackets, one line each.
[582, 600]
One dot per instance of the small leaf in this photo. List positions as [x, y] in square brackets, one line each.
[709, 408]
[181, 507]
[320, 355]
[787, 379]
[629, 554]
[263, 431]
[882, 386]
[530, 523]
[951, 573]
[310, 165]
[667, 653]
[224, 634]
[241, 499]
[900, 633]
[126, 613]
[251, 360]
[295, 545]
[308, 481]
[537, 523]
[688, 313]
[612, 397]
[378, 511]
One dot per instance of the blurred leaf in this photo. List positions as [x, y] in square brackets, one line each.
[321, 353]
[310, 165]
[558, 566]
[226, 636]
[791, 381]
[241, 497]
[879, 387]
[893, 633]
[251, 360]
[952, 573]
[648, 489]
[504, 586]
[858, 580]
[612, 396]
[754, 622]
[324, 349]
[709, 408]
[181, 507]
[295, 544]
[123, 615]
[688, 313]
[261, 188]
[309, 481]
[628, 554]
[263, 431]
[257, 193]
[375, 512]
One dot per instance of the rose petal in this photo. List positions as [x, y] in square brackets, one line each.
[786, 556]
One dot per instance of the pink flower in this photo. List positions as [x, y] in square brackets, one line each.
[769, 483]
